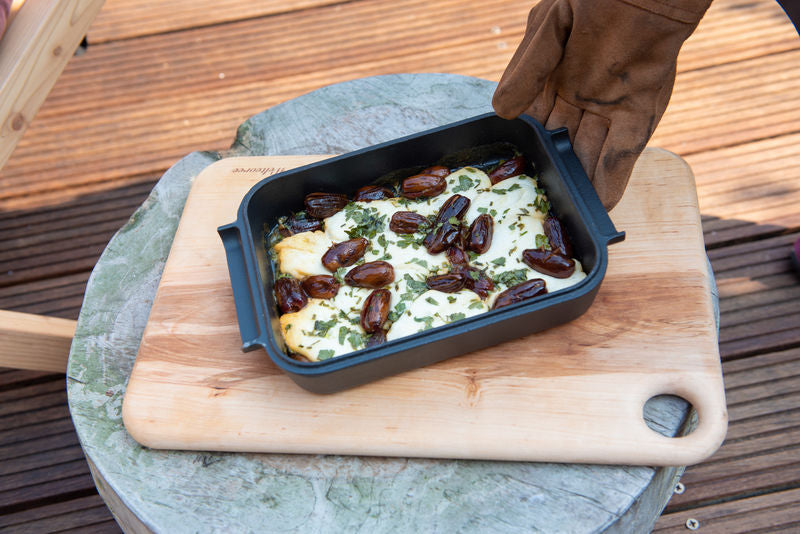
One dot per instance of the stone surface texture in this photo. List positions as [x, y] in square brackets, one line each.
[172, 491]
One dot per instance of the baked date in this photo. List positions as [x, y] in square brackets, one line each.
[479, 238]
[371, 275]
[369, 193]
[406, 222]
[344, 254]
[549, 262]
[320, 286]
[322, 205]
[377, 338]
[478, 282]
[289, 295]
[526, 290]
[455, 206]
[443, 237]
[557, 236]
[423, 186]
[458, 258]
[375, 310]
[447, 283]
[509, 169]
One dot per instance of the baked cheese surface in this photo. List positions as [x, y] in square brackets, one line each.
[326, 328]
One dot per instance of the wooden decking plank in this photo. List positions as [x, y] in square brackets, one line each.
[735, 256]
[104, 527]
[744, 479]
[778, 510]
[35, 430]
[70, 451]
[734, 289]
[32, 417]
[771, 341]
[752, 370]
[733, 320]
[16, 378]
[125, 19]
[22, 519]
[52, 484]
[22, 404]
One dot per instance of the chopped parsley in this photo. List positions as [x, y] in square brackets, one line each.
[457, 316]
[493, 213]
[511, 278]
[542, 242]
[431, 300]
[321, 328]
[398, 310]
[428, 320]
[369, 222]
[475, 305]
[339, 274]
[420, 262]
[501, 261]
[514, 187]
[325, 354]
[464, 183]
[451, 299]
[453, 220]
[541, 204]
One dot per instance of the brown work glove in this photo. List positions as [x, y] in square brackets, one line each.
[605, 70]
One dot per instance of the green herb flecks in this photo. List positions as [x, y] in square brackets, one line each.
[321, 328]
[326, 354]
[542, 242]
[431, 300]
[464, 184]
[500, 262]
[456, 316]
[511, 278]
[428, 320]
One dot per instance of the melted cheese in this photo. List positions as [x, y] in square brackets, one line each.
[327, 328]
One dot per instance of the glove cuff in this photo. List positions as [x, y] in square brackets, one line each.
[687, 11]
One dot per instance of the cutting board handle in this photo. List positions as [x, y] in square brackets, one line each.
[606, 229]
[242, 277]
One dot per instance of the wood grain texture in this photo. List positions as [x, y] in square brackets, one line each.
[192, 388]
[34, 342]
[33, 52]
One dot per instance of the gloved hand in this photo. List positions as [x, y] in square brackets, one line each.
[605, 70]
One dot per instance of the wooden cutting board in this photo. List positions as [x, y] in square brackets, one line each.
[571, 394]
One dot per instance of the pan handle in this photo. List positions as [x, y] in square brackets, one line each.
[242, 280]
[595, 208]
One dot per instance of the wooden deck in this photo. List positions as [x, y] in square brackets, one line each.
[161, 79]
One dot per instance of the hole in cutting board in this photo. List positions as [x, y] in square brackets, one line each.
[670, 415]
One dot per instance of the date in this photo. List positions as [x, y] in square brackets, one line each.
[479, 238]
[375, 311]
[442, 238]
[549, 262]
[407, 222]
[423, 186]
[557, 236]
[289, 295]
[371, 275]
[478, 282]
[458, 258]
[322, 205]
[377, 338]
[524, 291]
[509, 169]
[447, 283]
[321, 286]
[455, 206]
[368, 193]
[344, 254]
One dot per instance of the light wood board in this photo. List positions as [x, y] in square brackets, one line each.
[574, 393]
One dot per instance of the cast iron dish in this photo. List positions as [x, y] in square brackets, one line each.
[571, 196]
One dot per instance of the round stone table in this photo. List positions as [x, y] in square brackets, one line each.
[169, 491]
